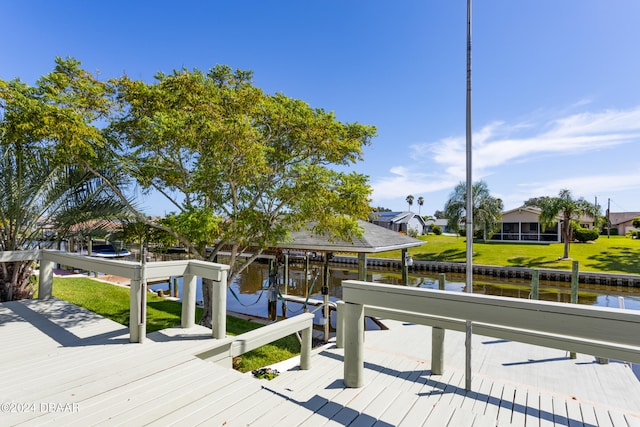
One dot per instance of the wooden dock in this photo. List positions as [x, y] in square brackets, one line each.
[63, 365]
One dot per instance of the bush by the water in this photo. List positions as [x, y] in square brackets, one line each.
[585, 234]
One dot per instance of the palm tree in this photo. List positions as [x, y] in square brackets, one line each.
[47, 137]
[487, 209]
[566, 209]
[420, 203]
[39, 192]
[409, 200]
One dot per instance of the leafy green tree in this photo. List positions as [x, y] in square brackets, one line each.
[409, 200]
[636, 222]
[565, 209]
[241, 168]
[48, 136]
[487, 210]
[381, 209]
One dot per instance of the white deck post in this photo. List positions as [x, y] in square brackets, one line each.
[437, 351]
[339, 324]
[45, 282]
[136, 329]
[437, 338]
[219, 306]
[362, 266]
[305, 349]
[188, 301]
[354, 345]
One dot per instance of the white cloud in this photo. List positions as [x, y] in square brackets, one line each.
[404, 181]
[493, 146]
[501, 144]
[589, 184]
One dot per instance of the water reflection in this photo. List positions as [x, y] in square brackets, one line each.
[248, 293]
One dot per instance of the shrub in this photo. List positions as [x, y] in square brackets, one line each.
[584, 234]
[611, 232]
[436, 229]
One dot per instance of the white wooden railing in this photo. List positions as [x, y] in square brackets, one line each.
[223, 351]
[603, 332]
[190, 270]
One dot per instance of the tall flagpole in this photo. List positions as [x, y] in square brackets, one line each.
[469, 210]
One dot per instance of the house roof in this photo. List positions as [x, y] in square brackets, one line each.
[531, 209]
[395, 217]
[374, 239]
[621, 217]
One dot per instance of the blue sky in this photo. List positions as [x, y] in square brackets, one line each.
[556, 98]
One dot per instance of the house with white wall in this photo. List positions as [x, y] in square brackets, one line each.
[623, 221]
[523, 225]
[402, 222]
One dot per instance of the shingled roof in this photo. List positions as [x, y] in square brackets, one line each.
[374, 239]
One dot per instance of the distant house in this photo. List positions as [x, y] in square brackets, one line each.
[622, 221]
[402, 222]
[522, 224]
[443, 223]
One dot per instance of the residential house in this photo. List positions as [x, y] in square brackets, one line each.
[622, 221]
[443, 223]
[402, 222]
[522, 225]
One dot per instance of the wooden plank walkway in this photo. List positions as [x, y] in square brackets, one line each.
[62, 365]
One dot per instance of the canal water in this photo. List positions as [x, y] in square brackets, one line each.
[248, 293]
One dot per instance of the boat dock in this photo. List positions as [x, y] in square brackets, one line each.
[63, 365]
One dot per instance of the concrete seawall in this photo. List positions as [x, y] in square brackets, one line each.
[611, 279]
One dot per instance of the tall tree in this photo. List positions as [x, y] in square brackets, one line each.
[420, 203]
[409, 200]
[241, 168]
[44, 130]
[487, 210]
[564, 209]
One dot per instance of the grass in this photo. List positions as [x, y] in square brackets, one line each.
[112, 302]
[618, 254]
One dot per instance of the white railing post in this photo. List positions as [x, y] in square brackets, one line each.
[305, 348]
[137, 326]
[188, 301]
[219, 306]
[339, 324]
[437, 351]
[45, 281]
[354, 345]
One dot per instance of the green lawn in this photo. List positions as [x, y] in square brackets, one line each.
[112, 302]
[617, 254]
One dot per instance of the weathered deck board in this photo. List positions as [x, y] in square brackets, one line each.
[59, 353]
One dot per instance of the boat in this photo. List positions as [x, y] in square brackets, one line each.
[106, 251]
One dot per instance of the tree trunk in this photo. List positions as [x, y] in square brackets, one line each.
[207, 291]
[15, 283]
[566, 235]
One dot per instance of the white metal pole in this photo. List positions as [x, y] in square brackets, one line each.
[469, 210]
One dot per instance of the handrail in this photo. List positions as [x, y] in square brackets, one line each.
[189, 269]
[223, 351]
[605, 332]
